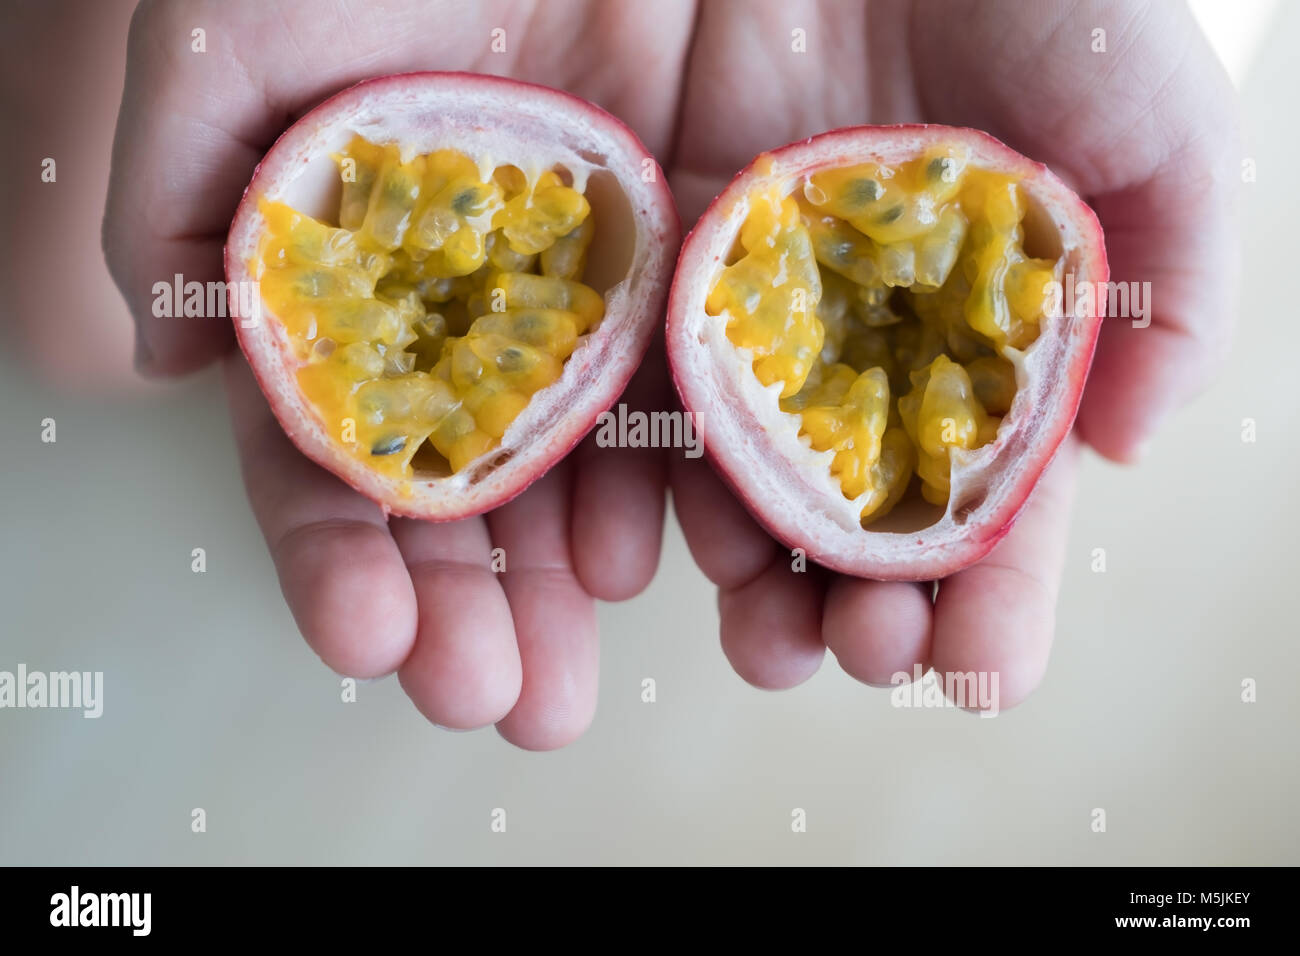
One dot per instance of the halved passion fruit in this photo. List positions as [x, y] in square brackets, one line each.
[868, 327]
[457, 274]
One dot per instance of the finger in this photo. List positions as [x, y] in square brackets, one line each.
[998, 616]
[554, 618]
[728, 545]
[341, 572]
[772, 624]
[642, 92]
[181, 158]
[745, 76]
[1178, 259]
[770, 614]
[877, 629]
[618, 503]
[464, 671]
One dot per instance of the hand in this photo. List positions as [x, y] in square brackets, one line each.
[371, 596]
[1146, 132]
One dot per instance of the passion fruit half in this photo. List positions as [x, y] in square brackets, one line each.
[870, 329]
[456, 275]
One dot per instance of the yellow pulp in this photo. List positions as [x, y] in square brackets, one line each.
[886, 301]
[439, 305]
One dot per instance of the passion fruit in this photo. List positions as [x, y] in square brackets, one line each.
[457, 274]
[869, 329]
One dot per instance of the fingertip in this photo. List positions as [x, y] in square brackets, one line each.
[555, 620]
[350, 595]
[457, 676]
[558, 696]
[726, 542]
[618, 518]
[162, 353]
[620, 496]
[554, 616]
[464, 671]
[771, 627]
[1140, 376]
[340, 570]
[877, 629]
[998, 626]
[1130, 451]
[622, 567]
[528, 733]
[995, 621]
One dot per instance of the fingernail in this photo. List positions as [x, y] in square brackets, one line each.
[454, 730]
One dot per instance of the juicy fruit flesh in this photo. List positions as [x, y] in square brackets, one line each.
[888, 303]
[441, 303]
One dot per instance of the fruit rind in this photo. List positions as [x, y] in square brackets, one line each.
[788, 486]
[500, 121]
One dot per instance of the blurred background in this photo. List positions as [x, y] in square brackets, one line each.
[213, 701]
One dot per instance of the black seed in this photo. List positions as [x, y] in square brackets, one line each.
[389, 445]
[891, 215]
[464, 201]
[527, 321]
[531, 328]
[399, 189]
[510, 360]
[938, 166]
[863, 191]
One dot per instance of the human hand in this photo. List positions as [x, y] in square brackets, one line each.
[373, 596]
[1145, 132]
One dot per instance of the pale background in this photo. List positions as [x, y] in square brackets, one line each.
[213, 701]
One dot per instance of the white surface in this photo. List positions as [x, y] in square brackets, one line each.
[213, 701]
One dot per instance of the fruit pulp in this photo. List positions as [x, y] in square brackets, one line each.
[889, 303]
[442, 301]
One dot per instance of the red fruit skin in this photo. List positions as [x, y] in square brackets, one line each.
[633, 307]
[923, 555]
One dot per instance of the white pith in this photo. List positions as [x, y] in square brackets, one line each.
[498, 123]
[757, 445]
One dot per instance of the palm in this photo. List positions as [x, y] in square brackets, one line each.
[471, 647]
[1131, 129]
